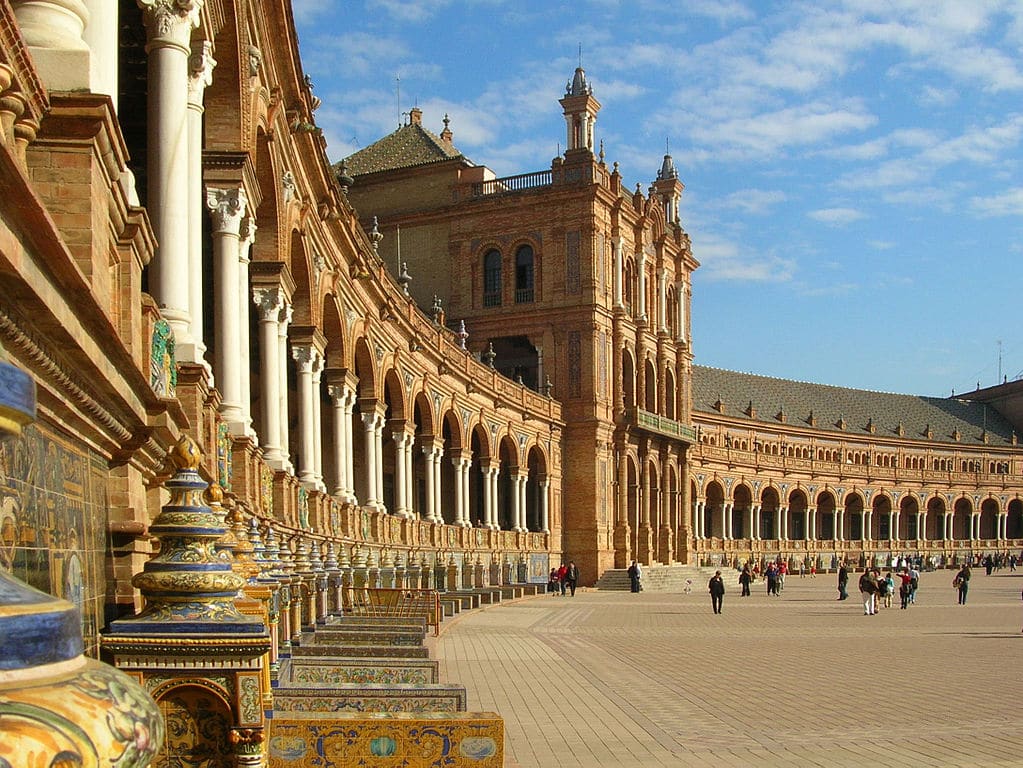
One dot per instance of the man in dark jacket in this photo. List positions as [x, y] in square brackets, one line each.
[716, 587]
[843, 581]
[572, 576]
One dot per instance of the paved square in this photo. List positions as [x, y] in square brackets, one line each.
[656, 679]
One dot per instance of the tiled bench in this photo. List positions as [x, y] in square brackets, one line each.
[412, 740]
[320, 671]
[363, 697]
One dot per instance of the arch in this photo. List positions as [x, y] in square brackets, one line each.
[199, 724]
[669, 392]
[881, 518]
[650, 386]
[797, 515]
[935, 523]
[508, 456]
[770, 508]
[1014, 520]
[962, 514]
[826, 518]
[909, 518]
[989, 511]
[742, 510]
[713, 509]
[853, 515]
[628, 380]
[536, 465]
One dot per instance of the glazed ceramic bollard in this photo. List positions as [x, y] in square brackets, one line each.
[59, 708]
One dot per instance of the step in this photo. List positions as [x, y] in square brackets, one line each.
[383, 651]
[369, 697]
[364, 636]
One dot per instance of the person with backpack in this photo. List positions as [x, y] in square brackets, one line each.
[962, 583]
[868, 591]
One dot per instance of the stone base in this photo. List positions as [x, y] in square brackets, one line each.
[361, 697]
[313, 671]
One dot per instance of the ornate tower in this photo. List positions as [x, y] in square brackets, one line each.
[580, 112]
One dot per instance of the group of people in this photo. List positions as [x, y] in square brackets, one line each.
[877, 590]
[563, 579]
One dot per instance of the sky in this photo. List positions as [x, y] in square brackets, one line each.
[854, 189]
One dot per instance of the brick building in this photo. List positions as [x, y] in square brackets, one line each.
[578, 288]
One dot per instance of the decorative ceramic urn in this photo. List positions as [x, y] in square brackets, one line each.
[59, 708]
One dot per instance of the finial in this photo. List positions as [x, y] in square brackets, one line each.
[186, 454]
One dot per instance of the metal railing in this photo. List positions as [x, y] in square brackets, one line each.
[512, 183]
[399, 603]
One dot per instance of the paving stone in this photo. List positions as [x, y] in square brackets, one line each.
[800, 680]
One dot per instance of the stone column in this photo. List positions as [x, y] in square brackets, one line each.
[200, 75]
[378, 436]
[53, 31]
[307, 359]
[227, 208]
[461, 465]
[698, 522]
[754, 531]
[662, 302]
[169, 27]
[101, 35]
[726, 521]
[430, 513]
[617, 269]
[372, 453]
[343, 401]
[402, 470]
[283, 439]
[318, 424]
[490, 475]
[545, 492]
[247, 235]
[811, 523]
[641, 279]
[521, 502]
[271, 303]
[680, 310]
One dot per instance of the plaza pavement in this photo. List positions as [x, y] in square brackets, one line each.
[656, 679]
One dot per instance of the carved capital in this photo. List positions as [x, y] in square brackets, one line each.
[200, 71]
[227, 207]
[306, 356]
[170, 22]
[270, 302]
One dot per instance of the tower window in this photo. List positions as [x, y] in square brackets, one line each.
[524, 275]
[492, 278]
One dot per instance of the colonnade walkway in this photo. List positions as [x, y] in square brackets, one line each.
[656, 679]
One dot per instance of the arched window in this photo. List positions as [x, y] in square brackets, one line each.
[492, 278]
[524, 275]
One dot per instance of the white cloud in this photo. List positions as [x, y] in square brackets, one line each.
[1008, 203]
[725, 260]
[307, 11]
[756, 202]
[836, 216]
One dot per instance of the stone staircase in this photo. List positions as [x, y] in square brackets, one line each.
[666, 578]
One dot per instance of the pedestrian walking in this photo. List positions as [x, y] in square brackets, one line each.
[843, 581]
[562, 572]
[572, 576]
[744, 580]
[716, 587]
[635, 577]
[962, 583]
[868, 591]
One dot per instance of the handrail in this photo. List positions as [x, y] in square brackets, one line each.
[399, 603]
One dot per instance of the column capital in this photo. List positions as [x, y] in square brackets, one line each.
[170, 22]
[341, 395]
[306, 356]
[200, 71]
[247, 230]
[227, 208]
[270, 302]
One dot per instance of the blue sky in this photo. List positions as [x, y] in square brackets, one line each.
[853, 176]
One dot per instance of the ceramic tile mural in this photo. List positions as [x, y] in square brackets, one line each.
[336, 672]
[53, 521]
[334, 740]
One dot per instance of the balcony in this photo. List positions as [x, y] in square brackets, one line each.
[662, 425]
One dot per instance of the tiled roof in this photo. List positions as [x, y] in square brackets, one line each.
[407, 147]
[859, 410]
